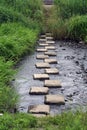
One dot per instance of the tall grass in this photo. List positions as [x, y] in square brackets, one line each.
[20, 25]
[65, 121]
[70, 19]
[68, 8]
[32, 9]
[15, 40]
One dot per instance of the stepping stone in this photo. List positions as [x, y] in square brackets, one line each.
[49, 38]
[43, 36]
[41, 50]
[52, 83]
[43, 44]
[38, 90]
[50, 47]
[54, 99]
[1, 114]
[48, 34]
[42, 65]
[42, 40]
[39, 109]
[51, 61]
[51, 71]
[50, 42]
[41, 76]
[42, 56]
[50, 53]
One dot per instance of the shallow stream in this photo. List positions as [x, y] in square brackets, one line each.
[72, 65]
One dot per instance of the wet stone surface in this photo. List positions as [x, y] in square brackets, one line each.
[72, 65]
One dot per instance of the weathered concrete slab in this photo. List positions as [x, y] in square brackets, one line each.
[52, 71]
[1, 114]
[39, 109]
[50, 53]
[50, 47]
[52, 83]
[43, 44]
[41, 76]
[49, 38]
[42, 50]
[50, 42]
[51, 61]
[39, 90]
[48, 34]
[43, 36]
[42, 40]
[42, 56]
[42, 65]
[54, 99]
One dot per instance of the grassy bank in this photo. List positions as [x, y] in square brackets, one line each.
[19, 30]
[65, 121]
[69, 20]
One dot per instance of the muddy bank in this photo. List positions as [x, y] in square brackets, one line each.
[72, 65]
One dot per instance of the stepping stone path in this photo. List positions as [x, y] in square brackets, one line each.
[39, 109]
[42, 56]
[52, 83]
[50, 42]
[54, 99]
[42, 50]
[51, 71]
[50, 47]
[39, 90]
[47, 50]
[51, 61]
[1, 114]
[41, 76]
[42, 65]
[50, 53]
[43, 44]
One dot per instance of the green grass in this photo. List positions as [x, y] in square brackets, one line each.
[16, 40]
[68, 8]
[77, 27]
[69, 20]
[65, 121]
[20, 24]
[8, 96]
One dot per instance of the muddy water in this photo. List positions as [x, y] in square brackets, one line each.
[72, 65]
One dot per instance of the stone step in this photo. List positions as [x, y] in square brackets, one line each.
[39, 109]
[50, 47]
[42, 56]
[43, 36]
[52, 84]
[43, 44]
[42, 50]
[42, 40]
[51, 61]
[49, 53]
[54, 99]
[50, 42]
[38, 90]
[48, 34]
[52, 71]
[41, 76]
[1, 114]
[49, 38]
[42, 65]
